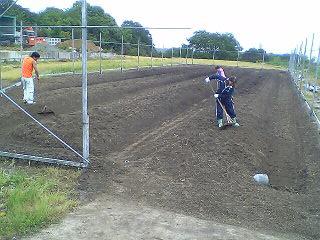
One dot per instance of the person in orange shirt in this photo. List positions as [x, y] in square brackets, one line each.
[28, 65]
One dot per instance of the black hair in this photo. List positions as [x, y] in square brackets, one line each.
[35, 55]
[217, 67]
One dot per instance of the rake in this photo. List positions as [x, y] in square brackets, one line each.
[229, 121]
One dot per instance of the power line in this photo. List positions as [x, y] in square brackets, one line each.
[9, 8]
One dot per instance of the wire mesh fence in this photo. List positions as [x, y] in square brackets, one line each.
[304, 69]
[63, 55]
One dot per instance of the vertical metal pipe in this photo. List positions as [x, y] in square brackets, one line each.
[151, 53]
[73, 50]
[171, 56]
[21, 42]
[138, 53]
[100, 53]
[187, 52]
[303, 66]
[162, 55]
[213, 55]
[122, 52]
[317, 67]
[262, 62]
[180, 55]
[0, 72]
[85, 115]
[310, 58]
[238, 58]
[192, 56]
[316, 76]
[35, 40]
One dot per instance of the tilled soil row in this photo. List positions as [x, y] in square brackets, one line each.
[153, 140]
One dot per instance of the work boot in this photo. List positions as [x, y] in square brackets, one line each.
[220, 123]
[234, 122]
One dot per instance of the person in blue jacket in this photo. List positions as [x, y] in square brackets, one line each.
[224, 94]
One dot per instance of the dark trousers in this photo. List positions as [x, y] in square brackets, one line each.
[229, 106]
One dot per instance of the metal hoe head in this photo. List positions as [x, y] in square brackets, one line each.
[46, 111]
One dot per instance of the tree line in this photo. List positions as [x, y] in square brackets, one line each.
[208, 45]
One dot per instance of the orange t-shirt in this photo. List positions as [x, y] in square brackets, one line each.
[27, 67]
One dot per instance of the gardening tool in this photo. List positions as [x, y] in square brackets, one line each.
[229, 121]
[44, 109]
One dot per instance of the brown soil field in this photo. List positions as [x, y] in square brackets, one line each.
[154, 141]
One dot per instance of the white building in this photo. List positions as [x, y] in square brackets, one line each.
[53, 41]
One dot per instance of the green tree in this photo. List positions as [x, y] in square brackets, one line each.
[22, 14]
[223, 45]
[254, 55]
[132, 34]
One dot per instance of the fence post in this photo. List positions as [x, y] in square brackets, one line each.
[138, 53]
[152, 53]
[73, 50]
[303, 66]
[0, 73]
[310, 58]
[162, 59]
[180, 55]
[316, 78]
[85, 115]
[171, 56]
[238, 58]
[122, 52]
[213, 53]
[262, 63]
[187, 56]
[192, 55]
[100, 53]
[21, 42]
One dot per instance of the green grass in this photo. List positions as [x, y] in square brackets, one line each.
[11, 71]
[31, 198]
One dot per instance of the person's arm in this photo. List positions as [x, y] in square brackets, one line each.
[217, 77]
[35, 67]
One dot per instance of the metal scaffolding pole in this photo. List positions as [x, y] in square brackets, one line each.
[138, 53]
[121, 53]
[73, 49]
[262, 62]
[152, 53]
[162, 59]
[192, 55]
[0, 73]
[303, 66]
[171, 57]
[21, 43]
[85, 115]
[316, 78]
[42, 126]
[187, 52]
[238, 58]
[310, 59]
[100, 53]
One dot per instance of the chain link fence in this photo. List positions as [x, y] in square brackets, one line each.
[304, 69]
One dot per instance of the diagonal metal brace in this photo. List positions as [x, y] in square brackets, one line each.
[86, 161]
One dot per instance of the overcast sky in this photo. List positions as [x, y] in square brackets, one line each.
[276, 25]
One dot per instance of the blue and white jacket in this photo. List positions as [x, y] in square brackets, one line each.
[221, 85]
[226, 93]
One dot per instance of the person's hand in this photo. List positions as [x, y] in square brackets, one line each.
[207, 80]
[216, 95]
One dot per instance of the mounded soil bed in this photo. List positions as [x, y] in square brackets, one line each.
[154, 141]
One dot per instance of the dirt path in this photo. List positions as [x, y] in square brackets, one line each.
[110, 219]
[153, 141]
